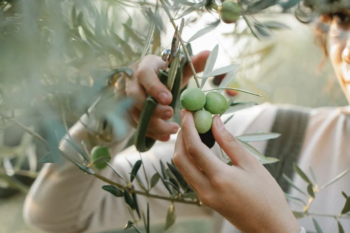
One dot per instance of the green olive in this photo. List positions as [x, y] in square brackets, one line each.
[216, 103]
[230, 11]
[203, 121]
[100, 156]
[192, 99]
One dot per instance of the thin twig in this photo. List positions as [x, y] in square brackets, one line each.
[321, 214]
[25, 128]
[144, 193]
[182, 43]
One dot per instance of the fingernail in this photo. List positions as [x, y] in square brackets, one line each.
[167, 114]
[163, 97]
[219, 123]
[175, 129]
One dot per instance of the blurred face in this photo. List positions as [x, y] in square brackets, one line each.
[339, 51]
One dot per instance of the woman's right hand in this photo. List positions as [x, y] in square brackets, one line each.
[245, 193]
[144, 81]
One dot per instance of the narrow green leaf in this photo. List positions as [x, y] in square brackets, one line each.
[192, 9]
[222, 70]
[269, 160]
[209, 66]
[313, 174]
[275, 25]
[148, 40]
[125, 46]
[191, 195]
[258, 137]
[235, 89]
[340, 228]
[317, 226]
[163, 169]
[135, 169]
[134, 197]
[154, 180]
[148, 221]
[289, 197]
[310, 190]
[298, 215]
[132, 34]
[178, 176]
[113, 190]
[336, 178]
[47, 159]
[247, 20]
[346, 207]
[115, 171]
[228, 78]
[79, 150]
[83, 168]
[171, 217]
[344, 195]
[173, 70]
[128, 199]
[173, 184]
[228, 119]
[301, 173]
[128, 225]
[203, 31]
[263, 31]
[293, 185]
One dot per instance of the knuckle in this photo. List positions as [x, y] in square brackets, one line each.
[141, 72]
[218, 181]
[191, 149]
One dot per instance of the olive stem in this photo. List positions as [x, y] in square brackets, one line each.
[321, 214]
[182, 43]
[147, 194]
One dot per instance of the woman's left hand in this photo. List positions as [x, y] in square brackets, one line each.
[245, 193]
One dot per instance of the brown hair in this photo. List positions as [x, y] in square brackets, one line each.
[320, 32]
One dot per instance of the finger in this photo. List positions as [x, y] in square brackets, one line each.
[200, 153]
[163, 112]
[137, 93]
[199, 62]
[159, 127]
[162, 138]
[232, 147]
[192, 174]
[147, 75]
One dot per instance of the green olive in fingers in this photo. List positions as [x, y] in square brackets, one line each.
[203, 121]
[192, 99]
[216, 103]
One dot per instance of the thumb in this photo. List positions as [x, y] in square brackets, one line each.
[199, 62]
[232, 147]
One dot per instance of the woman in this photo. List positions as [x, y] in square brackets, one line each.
[63, 199]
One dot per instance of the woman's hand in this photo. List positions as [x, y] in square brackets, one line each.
[245, 193]
[145, 81]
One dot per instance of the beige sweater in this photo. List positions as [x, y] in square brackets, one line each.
[63, 199]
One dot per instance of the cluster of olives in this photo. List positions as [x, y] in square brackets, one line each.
[229, 11]
[203, 107]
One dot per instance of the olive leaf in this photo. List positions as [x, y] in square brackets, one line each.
[222, 70]
[298, 215]
[344, 195]
[148, 40]
[78, 149]
[134, 197]
[178, 176]
[290, 182]
[113, 190]
[132, 34]
[47, 158]
[83, 168]
[135, 169]
[191, 9]
[258, 155]
[209, 66]
[228, 119]
[128, 225]
[163, 169]
[154, 180]
[173, 70]
[288, 4]
[313, 174]
[301, 173]
[258, 137]
[125, 46]
[340, 227]
[291, 198]
[173, 184]
[310, 190]
[171, 217]
[317, 226]
[336, 178]
[346, 207]
[204, 31]
[128, 199]
[228, 78]
[275, 25]
[235, 89]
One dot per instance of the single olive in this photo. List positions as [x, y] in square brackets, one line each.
[216, 103]
[203, 121]
[192, 99]
[100, 156]
[230, 11]
[208, 138]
